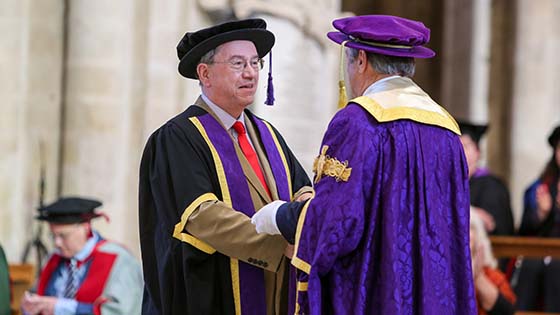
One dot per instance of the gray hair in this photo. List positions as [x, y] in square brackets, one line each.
[208, 58]
[392, 65]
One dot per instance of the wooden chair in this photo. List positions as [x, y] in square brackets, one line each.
[536, 247]
[23, 277]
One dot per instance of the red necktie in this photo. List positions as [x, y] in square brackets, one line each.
[249, 152]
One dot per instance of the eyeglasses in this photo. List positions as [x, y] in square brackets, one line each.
[239, 64]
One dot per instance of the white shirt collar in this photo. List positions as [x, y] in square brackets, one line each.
[378, 85]
[226, 119]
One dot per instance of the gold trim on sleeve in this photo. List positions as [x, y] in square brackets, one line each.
[281, 152]
[326, 165]
[179, 233]
[296, 261]
[302, 286]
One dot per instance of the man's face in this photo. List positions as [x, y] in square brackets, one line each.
[229, 85]
[69, 239]
[471, 153]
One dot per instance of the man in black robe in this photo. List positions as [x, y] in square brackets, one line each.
[489, 195]
[203, 175]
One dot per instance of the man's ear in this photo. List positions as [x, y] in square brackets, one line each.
[362, 61]
[203, 74]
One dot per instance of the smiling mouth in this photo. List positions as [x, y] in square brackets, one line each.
[247, 86]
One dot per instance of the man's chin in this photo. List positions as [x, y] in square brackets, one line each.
[248, 100]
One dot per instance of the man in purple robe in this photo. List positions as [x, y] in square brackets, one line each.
[387, 230]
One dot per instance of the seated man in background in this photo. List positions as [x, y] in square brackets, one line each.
[86, 274]
[494, 295]
[489, 196]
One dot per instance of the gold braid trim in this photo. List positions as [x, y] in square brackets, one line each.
[325, 165]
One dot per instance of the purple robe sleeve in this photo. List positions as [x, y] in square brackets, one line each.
[332, 223]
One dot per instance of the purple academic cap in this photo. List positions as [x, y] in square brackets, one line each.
[383, 34]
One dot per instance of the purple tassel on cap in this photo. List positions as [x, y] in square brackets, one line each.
[270, 87]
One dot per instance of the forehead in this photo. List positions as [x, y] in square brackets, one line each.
[61, 228]
[244, 48]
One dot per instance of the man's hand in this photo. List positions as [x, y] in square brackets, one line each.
[265, 219]
[34, 304]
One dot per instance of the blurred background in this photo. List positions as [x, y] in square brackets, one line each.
[84, 83]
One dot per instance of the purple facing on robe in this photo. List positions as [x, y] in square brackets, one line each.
[393, 238]
[481, 171]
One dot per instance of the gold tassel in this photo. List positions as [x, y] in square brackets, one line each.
[342, 98]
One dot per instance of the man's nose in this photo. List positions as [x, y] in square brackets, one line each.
[248, 71]
[58, 242]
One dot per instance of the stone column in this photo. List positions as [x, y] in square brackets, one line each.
[536, 109]
[104, 102]
[30, 87]
[500, 92]
[122, 84]
[457, 57]
[167, 92]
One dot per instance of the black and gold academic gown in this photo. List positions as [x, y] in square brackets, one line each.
[200, 252]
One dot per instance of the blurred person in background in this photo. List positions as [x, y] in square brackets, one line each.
[489, 195]
[493, 293]
[86, 274]
[539, 279]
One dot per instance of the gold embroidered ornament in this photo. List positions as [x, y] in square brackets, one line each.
[325, 165]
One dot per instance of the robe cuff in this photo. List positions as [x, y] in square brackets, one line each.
[179, 231]
[287, 218]
[297, 261]
[84, 309]
[65, 306]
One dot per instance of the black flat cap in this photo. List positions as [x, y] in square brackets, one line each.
[69, 210]
[472, 130]
[554, 137]
[196, 44]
